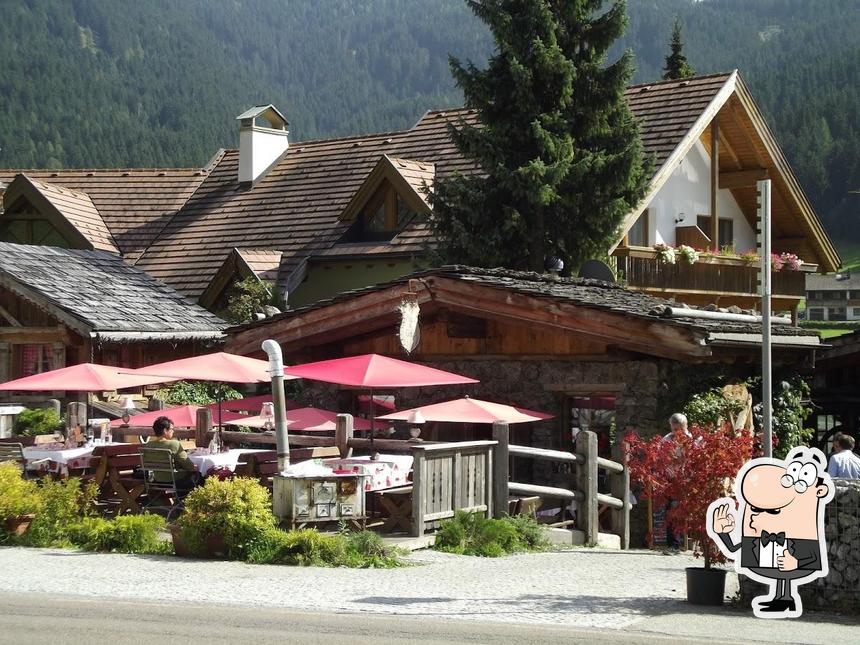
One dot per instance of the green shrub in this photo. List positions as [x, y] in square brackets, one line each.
[37, 421]
[309, 547]
[197, 393]
[17, 495]
[124, 534]
[472, 534]
[239, 510]
[64, 504]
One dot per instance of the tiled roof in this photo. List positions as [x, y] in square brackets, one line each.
[263, 262]
[100, 292]
[134, 204]
[296, 206]
[417, 174]
[580, 291]
[79, 210]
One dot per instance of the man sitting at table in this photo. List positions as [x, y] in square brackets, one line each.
[186, 475]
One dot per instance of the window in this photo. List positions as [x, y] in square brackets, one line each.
[385, 214]
[638, 233]
[816, 314]
[856, 312]
[825, 422]
[31, 231]
[726, 230]
[817, 295]
[854, 295]
[836, 313]
[33, 359]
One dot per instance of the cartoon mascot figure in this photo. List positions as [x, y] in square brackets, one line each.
[780, 524]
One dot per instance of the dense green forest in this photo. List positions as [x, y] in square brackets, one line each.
[88, 83]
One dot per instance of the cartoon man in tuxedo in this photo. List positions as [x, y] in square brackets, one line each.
[782, 528]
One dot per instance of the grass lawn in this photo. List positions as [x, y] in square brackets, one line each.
[850, 254]
[833, 333]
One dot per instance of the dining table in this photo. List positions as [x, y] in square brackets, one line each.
[388, 471]
[60, 458]
[229, 459]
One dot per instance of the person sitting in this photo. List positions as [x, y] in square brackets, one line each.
[186, 474]
[844, 464]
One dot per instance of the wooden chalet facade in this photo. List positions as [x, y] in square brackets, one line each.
[317, 218]
[590, 352]
[60, 307]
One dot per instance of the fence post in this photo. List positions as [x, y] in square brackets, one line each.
[501, 473]
[620, 483]
[419, 495]
[586, 480]
[343, 433]
[203, 428]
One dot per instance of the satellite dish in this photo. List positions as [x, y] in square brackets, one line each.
[596, 270]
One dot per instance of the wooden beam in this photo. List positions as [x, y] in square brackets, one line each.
[743, 178]
[33, 335]
[715, 173]
[727, 147]
[9, 318]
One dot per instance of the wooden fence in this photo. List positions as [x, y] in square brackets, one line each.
[447, 477]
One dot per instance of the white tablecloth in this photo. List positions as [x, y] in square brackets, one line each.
[229, 459]
[61, 458]
[389, 471]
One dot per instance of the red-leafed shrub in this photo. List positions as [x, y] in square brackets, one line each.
[690, 469]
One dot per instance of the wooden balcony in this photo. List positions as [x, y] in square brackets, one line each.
[718, 280]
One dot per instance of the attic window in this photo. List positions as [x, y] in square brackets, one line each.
[384, 216]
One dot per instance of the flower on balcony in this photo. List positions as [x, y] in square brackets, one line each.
[749, 256]
[688, 254]
[776, 262]
[791, 261]
[665, 253]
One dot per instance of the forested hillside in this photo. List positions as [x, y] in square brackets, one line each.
[88, 83]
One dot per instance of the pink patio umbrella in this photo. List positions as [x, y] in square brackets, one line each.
[307, 420]
[219, 367]
[371, 371]
[468, 410]
[251, 404]
[183, 416]
[85, 377]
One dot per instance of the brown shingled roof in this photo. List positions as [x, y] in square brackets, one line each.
[134, 204]
[79, 210]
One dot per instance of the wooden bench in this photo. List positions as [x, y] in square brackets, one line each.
[113, 469]
[398, 504]
[264, 465]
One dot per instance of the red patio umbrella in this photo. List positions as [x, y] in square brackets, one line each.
[308, 420]
[251, 404]
[85, 377]
[374, 371]
[467, 410]
[184, 416]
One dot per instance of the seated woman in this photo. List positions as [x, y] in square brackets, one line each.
[186, 475]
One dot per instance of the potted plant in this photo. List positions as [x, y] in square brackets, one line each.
[665, 253]
[19, 500]
[690, 470]
[688, 254]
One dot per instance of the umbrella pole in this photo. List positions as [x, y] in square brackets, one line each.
[373, 455]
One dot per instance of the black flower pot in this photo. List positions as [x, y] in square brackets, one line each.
[706, 586]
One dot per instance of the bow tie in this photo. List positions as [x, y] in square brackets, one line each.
[770, 538]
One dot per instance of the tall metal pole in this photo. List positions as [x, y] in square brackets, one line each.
[276, 367]
[765, 283]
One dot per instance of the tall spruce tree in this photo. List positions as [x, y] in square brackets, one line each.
[676, 63]
[558, 148]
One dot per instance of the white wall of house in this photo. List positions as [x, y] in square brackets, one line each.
[688, 192]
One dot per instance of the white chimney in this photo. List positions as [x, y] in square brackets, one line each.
[260, 146]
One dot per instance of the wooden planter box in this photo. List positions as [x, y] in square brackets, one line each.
[18, 525]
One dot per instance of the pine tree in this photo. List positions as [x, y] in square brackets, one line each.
[676, 63]
[557, 145]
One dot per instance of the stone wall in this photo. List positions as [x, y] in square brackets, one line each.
[840, 590]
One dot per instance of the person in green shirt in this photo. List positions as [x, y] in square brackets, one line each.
[187, 476]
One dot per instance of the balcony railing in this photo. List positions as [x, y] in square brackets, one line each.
[722, 276]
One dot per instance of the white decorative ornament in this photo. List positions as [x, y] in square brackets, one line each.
[409, 332]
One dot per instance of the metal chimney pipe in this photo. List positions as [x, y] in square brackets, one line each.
[276, 368]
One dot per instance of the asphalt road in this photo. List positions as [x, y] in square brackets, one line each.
[38, 619]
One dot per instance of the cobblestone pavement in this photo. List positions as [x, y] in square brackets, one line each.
[580, 588]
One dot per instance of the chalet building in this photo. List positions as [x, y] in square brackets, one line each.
[597, 355]
[833, 297]
[317, 218]
[60, 307]
[835, 391]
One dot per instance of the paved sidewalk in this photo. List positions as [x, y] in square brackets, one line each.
[637, 591]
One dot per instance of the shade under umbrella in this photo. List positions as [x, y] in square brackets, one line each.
[468, 410]
[307, 420]
[85, 377]
[251, 403]
[218, 366]
[183, 416]
[375, 371]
